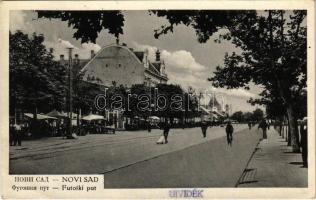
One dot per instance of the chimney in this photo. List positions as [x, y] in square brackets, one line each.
[157, 55]
[62, 57]
[92, 54]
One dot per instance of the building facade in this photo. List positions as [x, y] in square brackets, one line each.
[117, 64]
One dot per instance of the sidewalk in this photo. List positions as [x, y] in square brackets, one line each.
[274, 165]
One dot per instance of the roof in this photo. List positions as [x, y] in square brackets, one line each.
[39, 116]
[92, 117]
[111, 45]
[153, 68]
[139, 55]
[157, 65]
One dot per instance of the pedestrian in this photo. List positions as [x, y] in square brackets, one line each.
[249, 125]
[148, 127]
[229, 133]
[11, 134]
[204, 128]
[303, 142]
[166, 130]
[263, 125]
[18, 134]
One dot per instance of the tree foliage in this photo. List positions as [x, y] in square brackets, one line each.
[273, 53]
[36, 80]
[255, 116]
[239, 116]
[88, 24]
[204, 22]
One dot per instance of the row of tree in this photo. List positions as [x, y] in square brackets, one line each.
[273, 46]
[255, 116]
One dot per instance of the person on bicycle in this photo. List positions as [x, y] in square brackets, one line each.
[229, 133]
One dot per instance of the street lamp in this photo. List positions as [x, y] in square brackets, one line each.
[70, 90]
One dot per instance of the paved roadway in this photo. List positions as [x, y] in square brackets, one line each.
[127, 157]
[209, 164]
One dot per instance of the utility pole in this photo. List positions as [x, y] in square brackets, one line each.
[70, 90]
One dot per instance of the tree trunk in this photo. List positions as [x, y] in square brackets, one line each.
[288, 135]
[280, 128]
[292, 129]
[293, 135]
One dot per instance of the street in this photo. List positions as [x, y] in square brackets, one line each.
[118, 155]
[182, 101]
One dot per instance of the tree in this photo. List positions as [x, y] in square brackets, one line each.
[37, 82]
[134, 107]
[257, 115]
[238, 116]
[273, 51]
[168, 101]
[270, 58]
[170, 91]
[88, 24]
[248, 116]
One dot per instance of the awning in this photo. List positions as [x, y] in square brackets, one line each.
[92, 117]
[55, 113]
[154, 118]
[39, 116]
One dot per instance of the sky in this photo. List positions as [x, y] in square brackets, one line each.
[188, 62]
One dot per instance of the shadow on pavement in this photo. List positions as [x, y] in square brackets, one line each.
[296, 163]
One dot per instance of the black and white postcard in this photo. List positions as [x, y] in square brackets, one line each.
[161, 99]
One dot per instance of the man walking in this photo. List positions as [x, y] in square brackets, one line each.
[204, 128]
[166, 129]
[18, 134]
[303, 142]
[229, 133]
[148, 127]
[12, 133]
[249, 125]
[263, 125]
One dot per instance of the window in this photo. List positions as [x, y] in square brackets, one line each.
[106, 65]
[119, 65]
